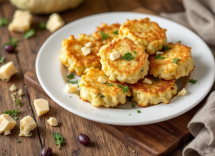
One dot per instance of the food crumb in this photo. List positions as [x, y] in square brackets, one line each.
[20, 92]
[12, 88]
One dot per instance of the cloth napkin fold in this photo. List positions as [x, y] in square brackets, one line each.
[200, 17]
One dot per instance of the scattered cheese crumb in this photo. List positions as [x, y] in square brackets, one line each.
[88, 45]
[159, 53]
[101, 80]
[20, 92]
[114, 55]
[71, 88]
[54, 22]
[85, 51]
[182, 92]
[147, 81]
[52, 121]
[12, 88]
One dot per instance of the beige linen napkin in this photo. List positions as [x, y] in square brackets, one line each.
[200, 17]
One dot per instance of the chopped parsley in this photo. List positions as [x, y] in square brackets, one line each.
[12, 41]
[18, 141]
[78, 86]
[115, 32]
[73, 82]
[138, 111]
[142, 70]
[12, 112]
[16, 118]
[156, 79]
[29, 33]
[105, 75]
[2, 59]
[70, 76]
[42, 25]
[175, 60]
[58, 139]
[130, 114]
[165, 48]
[128, 56]
[102, 96]
[18, 102]
[111, 84]
[70, 96]
[179, 41]
[192, 81]
[104, 36]
[159, 57]
[135, 52]
[124, 88]
[33, 114]
[3, 21]
[132, 105]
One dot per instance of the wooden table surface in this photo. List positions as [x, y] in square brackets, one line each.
[70, 125]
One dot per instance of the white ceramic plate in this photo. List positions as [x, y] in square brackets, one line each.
[52, 75]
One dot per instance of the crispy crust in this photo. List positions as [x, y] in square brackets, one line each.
[108, 29]
[157, 92]
[144, 32]
[72, 57]
[166, 68]
[122, 70]
[91, 90]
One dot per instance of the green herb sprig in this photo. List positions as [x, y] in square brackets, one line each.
[2, 59]
[138, 111]
[12, 112]
[159, 57]
[128, 56]
[3, 21]
[115, 32]
[192, 81]
[175, 60]
[70, 76]
[124, 88]
[18, 102]
[156, 79]
[42, 25]
[73, 82]
[59, 140]
[165, 48]
[29, 33]
[12, 41]
[104, 36]
[111, 84]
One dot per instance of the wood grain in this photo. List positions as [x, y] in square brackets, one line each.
[70, 125]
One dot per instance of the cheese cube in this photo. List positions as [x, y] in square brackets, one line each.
[101, 80]
[71, 88]
[27, 124]
[182, 92]
[6, 124]
[41, 106]
[147, 81]
[6, 71]
[114, 55]
[85, 51]
[88, 45]
[54, 22]
[21, 21]
[159, 53]
[52, 121]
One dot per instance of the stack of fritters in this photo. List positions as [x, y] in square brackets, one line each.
[141, 50]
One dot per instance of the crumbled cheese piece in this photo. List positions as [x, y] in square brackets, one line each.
[71, 88]
[20, 92]
[114, 55]
[159, 53]
[101, 80]
[54, 22]
[147, 81]
[27, 124]
[21, 21]
[41, 106]
[52, 121]
[88, 45]
[7, 70]
[12, 88]
[6, 124]
[182, 92]
[85, 51]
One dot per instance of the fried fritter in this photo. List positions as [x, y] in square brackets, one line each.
[173, 63]
[132, 65]
[144, 32]
[157, 92]
[108, 94]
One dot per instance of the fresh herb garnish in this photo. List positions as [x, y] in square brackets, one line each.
[12, 41]
[73, 82]
[115, 32]
[159, 57]
[29, 33]
[12, 112]
[135, 52]
[104, 36]
[128, 56]
[124, 88]
[70, 96]
[16, 118]
[2, 59]
[18, 141]
[175, 60]
[156, 79]
[138, 111]
[165, 48]
[33, 114]
[179, 41]
[42, 25]
[70, 76]
[192, 81]
[129, 114]
[132, 105]
[111, 84]
[105, 75]
[3, 21]
[18, 102]
[78, 86]
[58, 139]
[102, 96]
